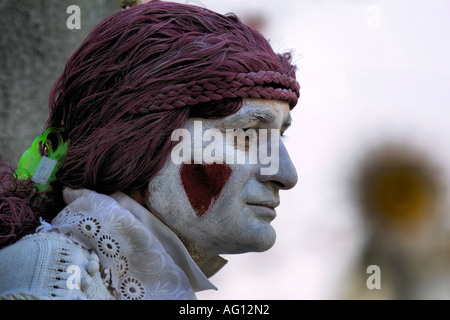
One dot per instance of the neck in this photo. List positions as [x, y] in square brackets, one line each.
[200, 254]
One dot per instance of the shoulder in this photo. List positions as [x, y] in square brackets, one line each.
[49, 265]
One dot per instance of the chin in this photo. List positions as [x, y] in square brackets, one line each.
[260, 240]
[267, 243]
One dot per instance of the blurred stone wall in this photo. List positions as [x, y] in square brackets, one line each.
[35, 44]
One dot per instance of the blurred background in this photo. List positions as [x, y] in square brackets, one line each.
[370, 139]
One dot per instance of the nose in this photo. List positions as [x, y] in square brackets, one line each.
[286, 176]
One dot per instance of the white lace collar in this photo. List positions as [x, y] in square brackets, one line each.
[146, 260]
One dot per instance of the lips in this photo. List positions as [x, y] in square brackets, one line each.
[267, 204]
[264, 210]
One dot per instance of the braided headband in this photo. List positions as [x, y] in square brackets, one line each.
[261, 85]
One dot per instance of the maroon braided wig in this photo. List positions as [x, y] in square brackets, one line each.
[139, 75]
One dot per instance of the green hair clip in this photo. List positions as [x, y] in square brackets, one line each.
[41, 162]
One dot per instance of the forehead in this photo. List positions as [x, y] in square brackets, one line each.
[254, 112]
[275, 108]
[272, 112]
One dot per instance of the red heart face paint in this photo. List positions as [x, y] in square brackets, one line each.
[203, 184]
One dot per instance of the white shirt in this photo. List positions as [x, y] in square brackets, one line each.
[103, 247]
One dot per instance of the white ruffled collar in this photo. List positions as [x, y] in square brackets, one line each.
[146, 260]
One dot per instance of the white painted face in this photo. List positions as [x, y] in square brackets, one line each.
[226, 208]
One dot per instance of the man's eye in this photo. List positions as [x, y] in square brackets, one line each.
[249, 136]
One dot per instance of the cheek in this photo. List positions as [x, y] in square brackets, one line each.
[203, 184]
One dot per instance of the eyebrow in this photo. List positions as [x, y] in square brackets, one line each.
[262, 116]
[268, 117]
[265, 117]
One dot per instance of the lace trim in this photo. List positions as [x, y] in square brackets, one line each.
[18, 296]
[134, 261]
